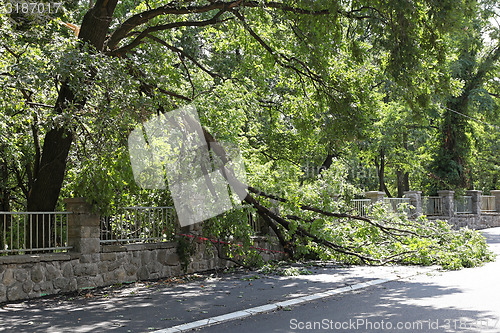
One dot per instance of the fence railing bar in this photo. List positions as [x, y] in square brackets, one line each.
[29, 232]
[54, 248]
[137, 224]
[34, 213]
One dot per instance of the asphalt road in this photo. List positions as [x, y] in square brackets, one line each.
[455, 301]
[415, 299]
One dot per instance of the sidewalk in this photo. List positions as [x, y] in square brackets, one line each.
[150, 306]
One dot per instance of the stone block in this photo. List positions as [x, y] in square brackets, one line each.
[103, 267]
[28, 286]
[109, 278]
[162, 256]
[172, 259]
[3, 293]
[37, 274]
[375, 196]
[108, 256]
[8, 277]
[46, 286]
[90, 245]
[72, 286]
[166, 271]
[112, 265]
[142, 273]
[86, 269]
[83, 282]
[67, 269]
[154, 267]
[135, 247]
[16, 292]
[21, 275]
[86, 258]
[52, 271]
[145, 256]
[98, 280]
[120, 274]
[62, 283]
[175, 270]
[113, 248]
[130, 268]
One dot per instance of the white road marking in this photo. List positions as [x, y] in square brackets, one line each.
[273, 306]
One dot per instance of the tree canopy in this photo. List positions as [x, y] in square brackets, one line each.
[310, 91]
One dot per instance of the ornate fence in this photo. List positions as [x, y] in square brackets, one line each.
[31, 232]
[139, 224]
[488, 203]
[432, 206]
[463, 204]
[361, 206]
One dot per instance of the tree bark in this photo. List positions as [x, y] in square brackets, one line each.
[381, 173]
[451, 163]
[44, 194]
[403, 182]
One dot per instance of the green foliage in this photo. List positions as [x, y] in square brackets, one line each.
[186, 248]
[291, 89]
[231, 234]
[405, 241]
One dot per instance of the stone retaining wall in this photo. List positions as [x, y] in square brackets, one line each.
[31, 276]
[472, 221]
[91, 264]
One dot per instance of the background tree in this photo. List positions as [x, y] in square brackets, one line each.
[476, 64]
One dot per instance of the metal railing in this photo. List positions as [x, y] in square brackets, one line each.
[256, 223]
[463, 204]
[488, 203]
[395, 203]
[31, 232]
[139, 225]
[432, 206]
[361, 206]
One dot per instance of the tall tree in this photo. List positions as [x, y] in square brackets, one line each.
[288, 78]
[475, 65]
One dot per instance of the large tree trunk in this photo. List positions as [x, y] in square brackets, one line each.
[403, 182]
[381, 174]
[49, 177]
[455, 145]
[451, 162]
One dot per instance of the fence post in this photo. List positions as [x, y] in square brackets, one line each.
[375, 196]
[496, 193]
[83, 226]
[416, 201]
[476, 200]
[447, 200]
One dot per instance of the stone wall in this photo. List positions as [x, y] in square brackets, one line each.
[91, 264]
[472, 221]
[477, 219]
[31, 276]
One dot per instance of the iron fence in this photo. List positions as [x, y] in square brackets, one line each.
[488, 203]
[395, 203]
[31, 232]
[432, 206]
[139, 224]
[463, 204]
[362, 206]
